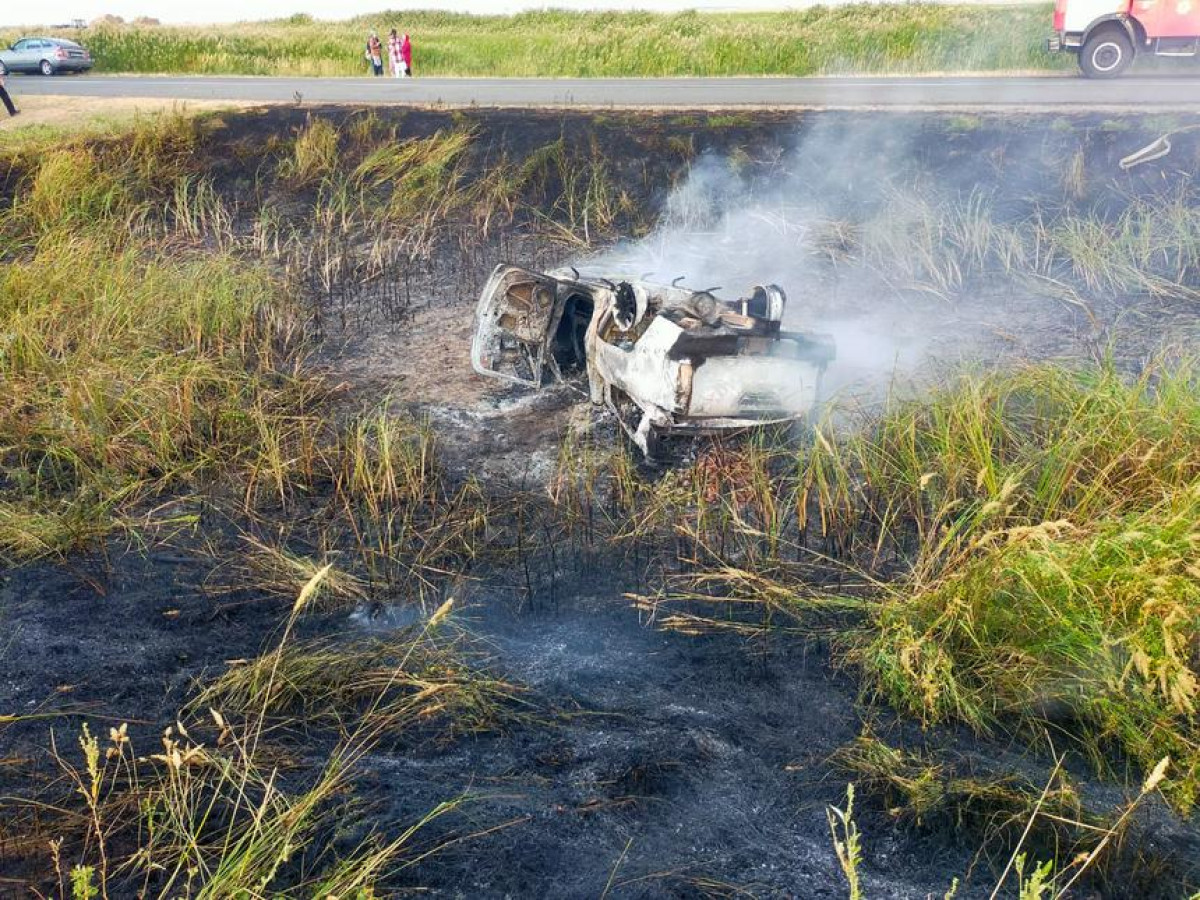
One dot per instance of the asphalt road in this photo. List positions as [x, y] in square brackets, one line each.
[1068, 91]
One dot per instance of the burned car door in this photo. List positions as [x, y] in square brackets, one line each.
[518, 314]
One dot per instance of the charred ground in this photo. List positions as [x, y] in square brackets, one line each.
[635, 761]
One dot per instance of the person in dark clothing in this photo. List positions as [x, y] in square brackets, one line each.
[7, 100]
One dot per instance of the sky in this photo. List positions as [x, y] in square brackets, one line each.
[51, 12]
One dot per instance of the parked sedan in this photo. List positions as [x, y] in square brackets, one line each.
[46, 55]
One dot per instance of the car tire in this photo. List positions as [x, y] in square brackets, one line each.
[46, 67]
[1106, 53]
[3, 70]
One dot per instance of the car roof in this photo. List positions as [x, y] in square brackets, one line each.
[62, 42]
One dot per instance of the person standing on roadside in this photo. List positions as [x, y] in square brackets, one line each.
[7, 100]
[375, 54]
[395, 55]
[406, 54]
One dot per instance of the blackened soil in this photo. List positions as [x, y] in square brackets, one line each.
[649, 763]
[670, 763]
[663, 762]
[653, 764]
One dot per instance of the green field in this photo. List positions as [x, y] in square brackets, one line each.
[917, 37]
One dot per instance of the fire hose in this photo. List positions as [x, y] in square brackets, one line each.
[1156, 149]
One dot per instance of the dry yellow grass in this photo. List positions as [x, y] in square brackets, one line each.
[44, 115]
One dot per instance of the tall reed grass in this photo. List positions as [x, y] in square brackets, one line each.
[154, 344]
[1019, 551]
[914, 37]
[128, 363]
[1052, 514]
[948, 245]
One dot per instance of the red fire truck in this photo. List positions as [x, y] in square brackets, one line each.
[1108, 34]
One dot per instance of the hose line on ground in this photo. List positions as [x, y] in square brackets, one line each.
[1157, 149]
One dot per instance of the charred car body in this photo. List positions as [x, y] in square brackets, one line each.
[688, 361]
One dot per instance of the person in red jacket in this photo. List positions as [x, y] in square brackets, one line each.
[406, 53]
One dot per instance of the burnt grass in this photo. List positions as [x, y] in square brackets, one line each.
[655, 764]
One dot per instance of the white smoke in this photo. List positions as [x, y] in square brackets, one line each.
[724, 228]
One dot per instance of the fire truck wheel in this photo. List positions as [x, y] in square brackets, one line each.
[1106, 53]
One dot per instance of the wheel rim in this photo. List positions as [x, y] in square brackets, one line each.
[1107, 56]
[46, 68]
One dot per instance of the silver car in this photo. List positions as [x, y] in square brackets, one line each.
[46, 55]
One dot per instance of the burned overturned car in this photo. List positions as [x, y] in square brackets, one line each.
[689, 362]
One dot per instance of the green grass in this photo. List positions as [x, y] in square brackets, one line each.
[1093, 625]
[1013, 449]
[1049, 519]
[1050, 515]
[915, 37]
[1053, 515]
[148, 348]
[152, 346]
[1017, 551]
[131, 364]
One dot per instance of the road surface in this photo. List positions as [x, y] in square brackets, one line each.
[1062, 91]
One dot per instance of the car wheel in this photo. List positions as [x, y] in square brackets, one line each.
[46, 67]
[3, 70]
[1106, 53]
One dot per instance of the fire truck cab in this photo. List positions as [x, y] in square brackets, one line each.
[1108, 34]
